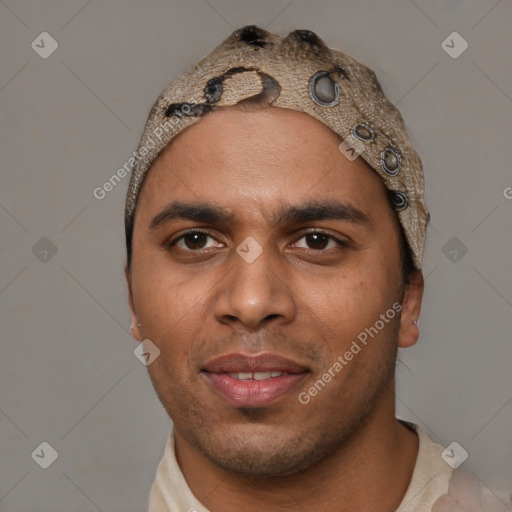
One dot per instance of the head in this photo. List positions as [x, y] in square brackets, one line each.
[407, 264]
[253, 233]
[305, 297]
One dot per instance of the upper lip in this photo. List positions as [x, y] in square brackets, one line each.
[267, 362]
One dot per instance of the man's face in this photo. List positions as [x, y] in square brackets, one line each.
[317, 284]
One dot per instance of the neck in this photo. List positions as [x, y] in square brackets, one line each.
[370, 472]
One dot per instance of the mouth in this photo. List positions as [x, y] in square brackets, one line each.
[256, 375]
[253, 381]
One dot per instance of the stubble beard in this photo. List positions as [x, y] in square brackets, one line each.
[269, 455]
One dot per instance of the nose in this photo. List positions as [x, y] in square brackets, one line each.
[255, 293]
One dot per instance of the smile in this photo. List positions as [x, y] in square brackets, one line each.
[256, 375]
[249, 380]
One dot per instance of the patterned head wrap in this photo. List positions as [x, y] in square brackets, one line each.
[298, 72]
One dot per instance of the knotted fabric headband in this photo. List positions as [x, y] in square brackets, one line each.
[299, 72]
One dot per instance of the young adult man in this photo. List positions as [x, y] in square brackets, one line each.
[275, 226]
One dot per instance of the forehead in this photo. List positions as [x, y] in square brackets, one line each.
[245, 158]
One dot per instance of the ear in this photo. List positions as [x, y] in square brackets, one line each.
[411, 308]
[135, 328]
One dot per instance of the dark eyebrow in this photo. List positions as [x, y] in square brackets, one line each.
[322, 210]
[199, 212]
[308, 212]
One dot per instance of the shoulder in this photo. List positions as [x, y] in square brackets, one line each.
[466, 493]
[431, 475]
[436, 487]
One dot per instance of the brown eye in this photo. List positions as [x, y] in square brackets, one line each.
[319, 241]
[194, 241]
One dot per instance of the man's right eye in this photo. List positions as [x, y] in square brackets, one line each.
[193, 241]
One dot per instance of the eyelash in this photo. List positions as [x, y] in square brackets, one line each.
[341, 243]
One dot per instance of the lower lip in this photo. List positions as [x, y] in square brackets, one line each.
[253, 393]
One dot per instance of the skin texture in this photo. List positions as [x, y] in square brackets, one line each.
[305, 298]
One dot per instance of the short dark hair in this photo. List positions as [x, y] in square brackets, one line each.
[128, 233]
[406, 261]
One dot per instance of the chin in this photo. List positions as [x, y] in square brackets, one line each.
[261, 451]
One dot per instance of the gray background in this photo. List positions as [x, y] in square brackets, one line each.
[68, 122]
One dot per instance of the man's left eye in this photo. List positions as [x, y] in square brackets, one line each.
[320, 241]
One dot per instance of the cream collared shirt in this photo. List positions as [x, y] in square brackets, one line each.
[434, 486]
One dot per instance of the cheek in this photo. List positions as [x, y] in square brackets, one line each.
[347, 302]
[168, 307]
[163, 293]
